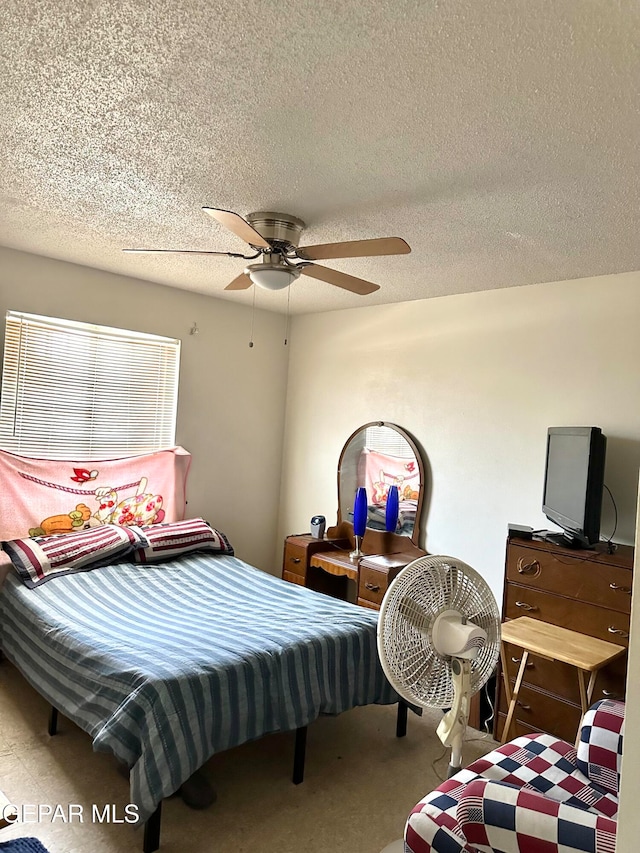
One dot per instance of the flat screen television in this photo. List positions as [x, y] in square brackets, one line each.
[573, 484]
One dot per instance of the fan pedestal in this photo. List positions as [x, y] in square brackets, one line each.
[394, 847]
[454, 723]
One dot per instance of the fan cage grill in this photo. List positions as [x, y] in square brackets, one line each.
[424, 589]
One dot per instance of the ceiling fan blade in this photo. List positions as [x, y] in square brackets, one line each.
[340, 279]
[181, 252]
[240, 227]
[355, 249]
[240, 282]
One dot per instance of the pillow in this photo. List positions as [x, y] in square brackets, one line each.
[41, 558]
[181, 537]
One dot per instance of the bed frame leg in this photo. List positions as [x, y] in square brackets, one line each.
[151, 840]
[53, 721]
[401, 721]
[299, 754]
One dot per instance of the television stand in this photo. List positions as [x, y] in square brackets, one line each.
[587, 591]
[562, 539]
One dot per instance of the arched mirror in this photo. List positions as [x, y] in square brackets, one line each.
[379, 455]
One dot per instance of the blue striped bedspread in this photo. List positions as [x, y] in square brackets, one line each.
[165, 665]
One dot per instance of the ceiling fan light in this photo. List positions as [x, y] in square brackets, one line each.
[269, 277]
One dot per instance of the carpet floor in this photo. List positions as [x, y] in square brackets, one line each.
[360, 783]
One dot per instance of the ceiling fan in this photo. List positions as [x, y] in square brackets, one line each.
[275, 237]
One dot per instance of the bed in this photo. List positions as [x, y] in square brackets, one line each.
[166, 664]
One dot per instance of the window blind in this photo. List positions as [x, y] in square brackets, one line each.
[79, 391]
[386, 440]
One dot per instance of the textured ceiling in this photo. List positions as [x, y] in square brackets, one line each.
[500, 139]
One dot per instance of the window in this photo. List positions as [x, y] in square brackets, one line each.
[388, 441]
[79, 391]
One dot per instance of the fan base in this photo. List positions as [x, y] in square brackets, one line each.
[394, 847]
[277, 228]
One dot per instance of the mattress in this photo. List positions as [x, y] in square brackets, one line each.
[167, 664]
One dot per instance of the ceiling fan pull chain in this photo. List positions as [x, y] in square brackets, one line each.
[286, 328]
[253, 313]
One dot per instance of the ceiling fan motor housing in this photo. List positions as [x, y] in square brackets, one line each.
[280, 229]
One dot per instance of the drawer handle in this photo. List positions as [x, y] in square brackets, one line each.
[617, 588]
[519, 660]
[372, 587]
[524, 606]
[295, 559]
[609, 694]
[523, 706]
[531, 568]
[617, 631]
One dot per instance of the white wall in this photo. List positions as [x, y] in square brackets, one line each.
[628, 814]
[232, 398]
[476, 379]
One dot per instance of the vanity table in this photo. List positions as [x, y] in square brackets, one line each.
[376, 456]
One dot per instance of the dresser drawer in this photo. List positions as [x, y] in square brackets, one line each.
[561, 680]
[372, 585]
[582, 578]
[295, 559]
[293, 578]
[543, 712]
[611, 625]
[516, 729]
[364, 603]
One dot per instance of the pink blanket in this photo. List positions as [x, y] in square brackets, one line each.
[379, 471]
[43, 496]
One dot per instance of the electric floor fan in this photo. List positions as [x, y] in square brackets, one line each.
[439, 642]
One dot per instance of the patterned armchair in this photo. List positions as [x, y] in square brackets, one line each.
[533, 794]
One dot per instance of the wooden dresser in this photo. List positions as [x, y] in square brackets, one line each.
[324, 565]
[587, 591]
[296, 564]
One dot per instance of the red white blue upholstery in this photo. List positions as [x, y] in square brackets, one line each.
[534, 794]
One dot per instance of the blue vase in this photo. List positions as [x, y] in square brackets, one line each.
[360, 509]
[393, 505]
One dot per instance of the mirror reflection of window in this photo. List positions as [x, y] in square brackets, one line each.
[386, 440]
